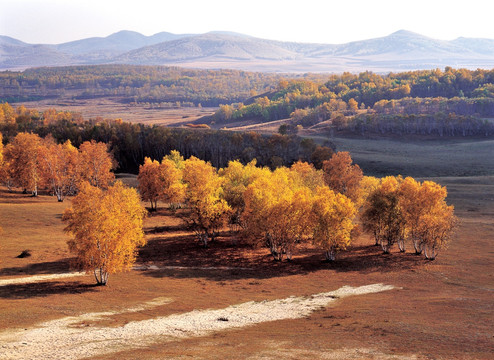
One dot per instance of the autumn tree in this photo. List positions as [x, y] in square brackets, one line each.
[436, 228]
[277, 212]
[209, 211]
[177, 158]
[96, 164]
[237, 177]
[332, 214]
[106, 227]
[171, 177]
[23, 157]
[150, 187]
[342, 176]
[305, 174]
[429, 220]
[2, 162]
[59, 165]
[382, 215]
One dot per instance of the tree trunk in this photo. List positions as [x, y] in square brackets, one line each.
[430, 252]
[401, 244]
[102, 277]
[418, 246]
[330, 255]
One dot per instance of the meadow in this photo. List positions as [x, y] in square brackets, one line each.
[438, 309]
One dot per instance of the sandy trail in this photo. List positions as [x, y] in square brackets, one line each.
[68, 338]
[38, 278]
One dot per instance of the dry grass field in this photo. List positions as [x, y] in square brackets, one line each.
[112, 108]
[437, 310]
[183, 301]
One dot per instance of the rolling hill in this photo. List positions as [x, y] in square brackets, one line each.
[402, 50]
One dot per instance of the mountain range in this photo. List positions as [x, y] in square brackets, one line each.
[400, 51]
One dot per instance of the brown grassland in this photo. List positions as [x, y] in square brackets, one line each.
[442, 309]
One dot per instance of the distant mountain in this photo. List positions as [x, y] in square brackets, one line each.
[402, 50]
[208, 47]
[99, 49]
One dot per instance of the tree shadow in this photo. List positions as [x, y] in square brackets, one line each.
[50, 267]
[166, 228]
[183, 257]
[43, 289]
[366, 259]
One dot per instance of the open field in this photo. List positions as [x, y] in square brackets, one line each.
[437, 310]
[111, 108]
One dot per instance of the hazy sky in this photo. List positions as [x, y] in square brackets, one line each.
[325, 21]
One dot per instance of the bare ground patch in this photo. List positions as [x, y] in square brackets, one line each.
[73, 337]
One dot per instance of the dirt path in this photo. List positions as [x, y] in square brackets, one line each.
[38, 278]
[72, 338]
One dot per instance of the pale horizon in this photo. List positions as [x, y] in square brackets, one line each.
[330, 22]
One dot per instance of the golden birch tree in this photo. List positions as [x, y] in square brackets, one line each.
[237, 177]
[171, 179]
[333, 216]
[382, 215]
[59, 163]
[150, 186]
[209, 211]
[24, 161]
[277, 212]
[106, 227]
[96, 164]
[342, 176]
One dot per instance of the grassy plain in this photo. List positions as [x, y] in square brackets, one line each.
[113, 108]
[439, 310]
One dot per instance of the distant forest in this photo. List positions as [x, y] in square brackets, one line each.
[449, 102]
[440, 103]
[135, 84]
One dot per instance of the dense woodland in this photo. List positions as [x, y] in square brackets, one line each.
[131, 143]
[449, 102]
[157, 85]
[433, 102]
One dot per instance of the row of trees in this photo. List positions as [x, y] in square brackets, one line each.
[32, 163]
[290, 207]
[405, 209]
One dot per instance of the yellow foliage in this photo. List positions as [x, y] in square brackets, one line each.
[236, 179]
[429, 220]
[333, 215]
[209, 211]
[150, 186]
[106, 228]
[341, 176]
[277, 209]
[59, 163]
[96, 164]
[305, 174]
[173, 188]
[23, 155]
[177, 158]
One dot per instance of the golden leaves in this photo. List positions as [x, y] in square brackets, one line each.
[106, 228]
